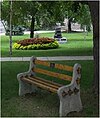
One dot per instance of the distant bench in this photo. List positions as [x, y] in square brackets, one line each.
[69, 95]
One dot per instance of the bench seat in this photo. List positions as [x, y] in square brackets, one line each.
[42, 83]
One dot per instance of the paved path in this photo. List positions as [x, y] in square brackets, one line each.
[56, 58]
[28, 32]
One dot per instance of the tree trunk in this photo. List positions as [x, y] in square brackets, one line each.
[32, 27]
[4, 25]
[94, 9]
[69, 25]
[10, 36]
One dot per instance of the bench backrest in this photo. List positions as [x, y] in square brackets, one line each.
[75, 70]
[51, 73]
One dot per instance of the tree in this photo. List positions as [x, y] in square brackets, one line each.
[29, 10]
[53, 12]
[10, 27]
[34, 11]
[5, 9]
[84, 17]
[68, 12]
[45, 17]
[16, 13]
[94, 9]
[45, 13]
[21, 10]
[77, 12]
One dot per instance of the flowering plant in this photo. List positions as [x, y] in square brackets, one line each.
[36, 43]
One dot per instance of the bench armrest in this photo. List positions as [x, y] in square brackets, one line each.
[29, 72]
[64, 91]
[74, 86]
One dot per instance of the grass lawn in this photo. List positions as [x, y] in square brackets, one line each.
[76, 45]
[43, 103]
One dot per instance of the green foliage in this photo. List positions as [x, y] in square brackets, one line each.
[21, 10]
[46, 13]
[84, 17]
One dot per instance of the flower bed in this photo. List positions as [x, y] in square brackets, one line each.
[36, 43]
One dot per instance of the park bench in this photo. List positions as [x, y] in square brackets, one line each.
[69, 95]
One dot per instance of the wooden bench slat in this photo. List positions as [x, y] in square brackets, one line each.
[58, 66]
[64, 67]
[42, 62]
[40, 85]
[54, 74]
[48, 83]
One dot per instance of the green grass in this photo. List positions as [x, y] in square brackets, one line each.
[43, 103]
[76, 45]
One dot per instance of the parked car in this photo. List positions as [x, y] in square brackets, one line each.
[17, 30]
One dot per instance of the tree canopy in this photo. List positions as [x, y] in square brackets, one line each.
[45, 13]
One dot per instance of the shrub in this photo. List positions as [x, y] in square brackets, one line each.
[36, 43]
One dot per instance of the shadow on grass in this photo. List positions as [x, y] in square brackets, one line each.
[45, 104]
